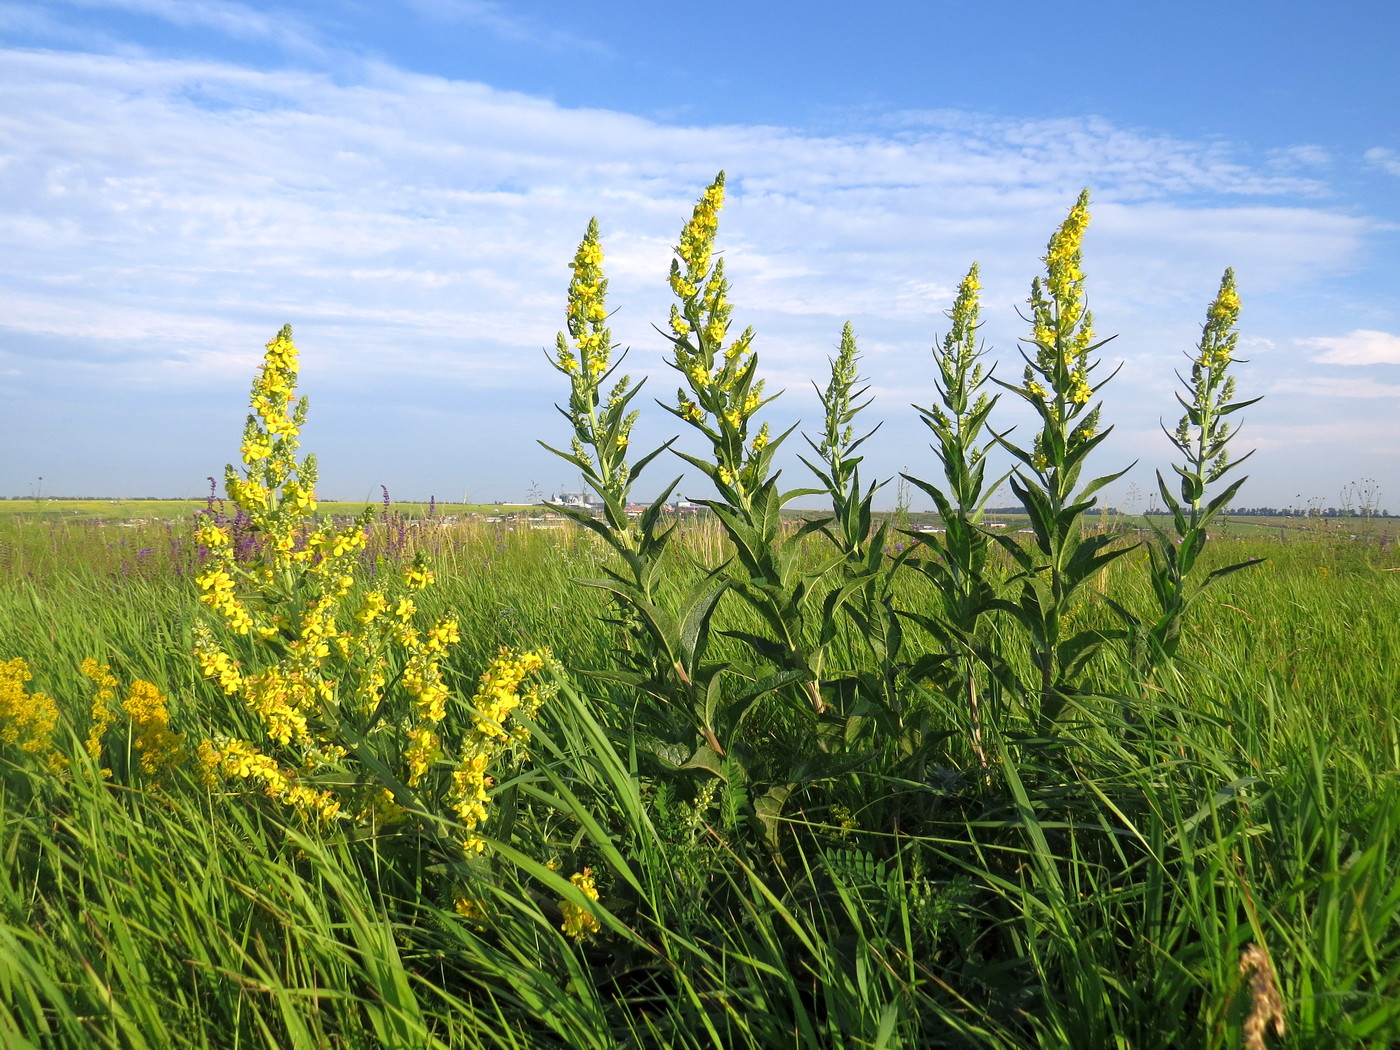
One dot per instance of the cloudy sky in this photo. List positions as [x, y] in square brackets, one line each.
[404, 181]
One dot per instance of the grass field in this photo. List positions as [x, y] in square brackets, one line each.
[1098, 889]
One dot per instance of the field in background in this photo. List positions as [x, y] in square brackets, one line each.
[134, 511]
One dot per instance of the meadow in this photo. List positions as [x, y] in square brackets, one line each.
[275, 775]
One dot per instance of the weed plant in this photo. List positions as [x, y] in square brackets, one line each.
[288, 778]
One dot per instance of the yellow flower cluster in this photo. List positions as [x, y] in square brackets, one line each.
[1219, 337]
[27, 720]
[1056, 377]
[578, 923]
[159, 749]
[1079, 390]
[282, 699]
[216, 582]
[239, 759]
[587, 314]
[1061, 324]
[585, 356]
[297, 647]
[102, 700]
[471, 909]
[960, 345]
[697, 242]
[501, 710]
[723, 394]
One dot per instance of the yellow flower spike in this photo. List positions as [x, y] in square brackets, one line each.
[422, 750]
[27, 720]
[1060, 321]
[102, 712]
[579, 924]
[159, 748]
[471, 909]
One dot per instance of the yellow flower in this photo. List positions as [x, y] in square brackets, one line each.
[372, 607]
[421, 752]
[27, 719]
[471, 909]
[158, 747]
[578, 923]
[442, 635]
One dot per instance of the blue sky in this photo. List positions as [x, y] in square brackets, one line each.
[404, 182]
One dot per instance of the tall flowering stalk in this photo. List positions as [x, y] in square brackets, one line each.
[332, 672]
[839, 471]
[602, 428]
[956, 561]
[722, 393]
[862, 586]
[1202, 437]
[1058, 386]
[664, 638]
[720, 399]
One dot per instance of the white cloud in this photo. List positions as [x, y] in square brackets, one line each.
[164, 217]
[226, 16]
[1330, 438]
[1388, 160]
[498, 20]
[1303, 156]
[438, 214]
[1361, 347]
[1326, 386]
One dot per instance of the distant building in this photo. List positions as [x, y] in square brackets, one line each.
[581, 500]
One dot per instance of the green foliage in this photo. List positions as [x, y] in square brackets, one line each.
[1202, 436]
[1058, 386]
[956, 563]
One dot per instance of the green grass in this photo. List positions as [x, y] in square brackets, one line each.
[1096, 890]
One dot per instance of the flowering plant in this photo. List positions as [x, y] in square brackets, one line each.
[344, 682]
